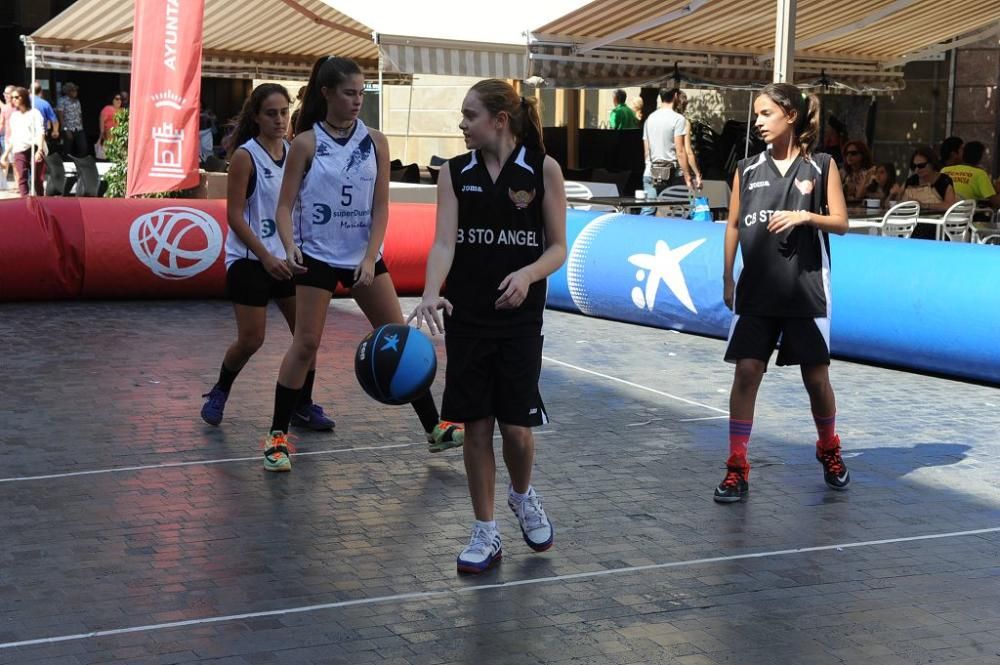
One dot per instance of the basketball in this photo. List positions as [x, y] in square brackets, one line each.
[395, 363]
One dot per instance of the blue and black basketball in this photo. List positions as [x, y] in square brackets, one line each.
[395, 363]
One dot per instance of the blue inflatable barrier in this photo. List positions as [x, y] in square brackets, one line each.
[925, 305]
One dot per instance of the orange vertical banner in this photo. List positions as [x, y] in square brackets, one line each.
[165, 98]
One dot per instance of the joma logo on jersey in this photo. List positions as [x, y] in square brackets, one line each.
[756, 185]
[472, 188]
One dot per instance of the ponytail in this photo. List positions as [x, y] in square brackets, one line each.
[804, 105]
[327, 72]
[244, 126]
[525, 124]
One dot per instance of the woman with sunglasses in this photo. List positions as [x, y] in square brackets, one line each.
[108, 122]
[929, 187]
[859, 174]
[25, 135]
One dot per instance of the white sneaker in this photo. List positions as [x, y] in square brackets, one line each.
[484, 550]
[535, 525]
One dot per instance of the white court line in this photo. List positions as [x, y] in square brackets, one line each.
[227, 460]
[694, 420]
[425, 595]
[635, 385]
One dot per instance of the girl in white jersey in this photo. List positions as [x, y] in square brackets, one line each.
[785, 203]
[256, 271]
[332, 215]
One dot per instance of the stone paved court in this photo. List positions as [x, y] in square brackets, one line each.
[351, 557]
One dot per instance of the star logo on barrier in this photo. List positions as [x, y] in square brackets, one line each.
[664, 265]
[391, 342]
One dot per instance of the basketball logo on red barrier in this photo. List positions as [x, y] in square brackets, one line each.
[176, 242]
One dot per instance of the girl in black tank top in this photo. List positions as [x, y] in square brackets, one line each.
[501, 231]
[784, 204]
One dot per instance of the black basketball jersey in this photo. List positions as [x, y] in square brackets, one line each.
[500, 230]
[788, 273]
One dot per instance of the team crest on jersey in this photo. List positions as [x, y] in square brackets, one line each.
[267, 172]
[521, 198]
[322, 150]
[804, 186]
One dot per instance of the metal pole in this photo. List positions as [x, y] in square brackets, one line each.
[784, 42]
[746, 141]
[381, 93]
[33, 73]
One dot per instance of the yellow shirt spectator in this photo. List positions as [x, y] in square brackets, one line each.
[971, 182]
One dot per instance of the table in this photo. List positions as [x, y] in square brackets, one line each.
[623, 203]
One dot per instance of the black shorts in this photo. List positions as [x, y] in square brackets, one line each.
[248, 283]
[322, 275]
[804, 341]
[494, 377]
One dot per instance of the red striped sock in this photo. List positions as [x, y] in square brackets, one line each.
[826, 428]
[739, 440]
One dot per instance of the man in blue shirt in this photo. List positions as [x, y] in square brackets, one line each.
[48, 113]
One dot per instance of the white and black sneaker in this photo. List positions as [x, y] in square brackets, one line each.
[483, 551]
[535, 525]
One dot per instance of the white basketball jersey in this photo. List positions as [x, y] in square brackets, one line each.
[261, 205]
[333, 216]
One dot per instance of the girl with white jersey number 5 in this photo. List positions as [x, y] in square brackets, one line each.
[256, 271]
[332, 216]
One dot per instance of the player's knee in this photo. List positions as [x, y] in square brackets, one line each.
[748, 376]
[305, 346]
[249, 343]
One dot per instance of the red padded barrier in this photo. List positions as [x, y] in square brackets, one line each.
[153, 248]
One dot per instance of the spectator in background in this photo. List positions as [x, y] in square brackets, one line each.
[206, 132]
[637, 106]
[49, 116]
[858, 171]
[71, 120]
[834, 138]
[680, 105]
[108, 122]
[951, 151]
[6, 108]
[622, 117]
[885, 182]
[27, 134]
[970, 181]
[663, 145]
[929, 187]
[294, 122]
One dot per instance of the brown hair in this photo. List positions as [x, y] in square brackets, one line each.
[245, 125]
[862, 148]
[499, 97]
[25, 96]
[805, 106]
[328, 72]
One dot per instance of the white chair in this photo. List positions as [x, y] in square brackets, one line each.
[580, 190]
[957, 220]
[900, 220]
[676, 193]
[993, 239]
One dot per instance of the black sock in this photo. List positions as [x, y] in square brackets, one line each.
[306, 395]
[284, 403]
[226, 378]
[426, 411]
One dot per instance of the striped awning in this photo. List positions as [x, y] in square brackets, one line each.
[413, 55]
[860, 43]
[241, 39]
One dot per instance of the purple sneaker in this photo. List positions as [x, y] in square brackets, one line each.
[211, 412]
[311, 416]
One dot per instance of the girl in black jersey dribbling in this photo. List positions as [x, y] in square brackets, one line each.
[501, 231]
[785, 202]
[256, 271]
[332, 215]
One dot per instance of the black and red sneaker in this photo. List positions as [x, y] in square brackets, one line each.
[835, 472]
[735, 486]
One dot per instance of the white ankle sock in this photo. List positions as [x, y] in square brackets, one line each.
[492, 524]
[518, 498]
